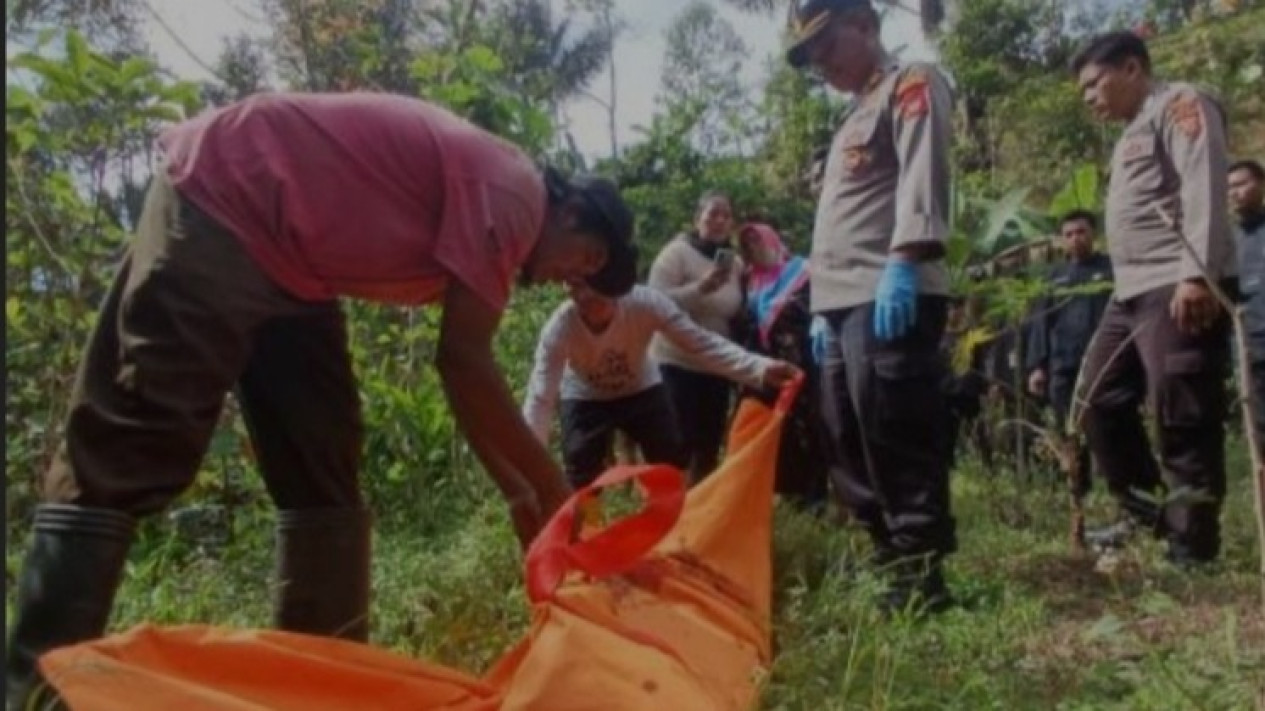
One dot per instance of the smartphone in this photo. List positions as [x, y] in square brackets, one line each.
[724, 258]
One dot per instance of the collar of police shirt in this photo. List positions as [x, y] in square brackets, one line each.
[886, 66]
[1153, 91]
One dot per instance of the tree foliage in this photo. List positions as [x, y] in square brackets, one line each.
[84, 107]
[546, 57]
[702, 67]
[78, 129]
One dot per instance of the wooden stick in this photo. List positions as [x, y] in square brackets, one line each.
[1245, 389]
[1064, 447]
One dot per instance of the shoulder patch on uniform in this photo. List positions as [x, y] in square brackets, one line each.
[913, 93]
[1185, 111]
[1135, 147]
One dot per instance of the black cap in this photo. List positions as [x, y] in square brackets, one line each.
[619, 274]
[808, 20]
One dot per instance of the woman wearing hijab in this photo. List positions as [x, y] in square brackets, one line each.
[701, 273]
[779, 321]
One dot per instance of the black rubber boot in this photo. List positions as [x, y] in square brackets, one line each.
[916, 586]
[66, 587]
[1194, 539]
[323, 572]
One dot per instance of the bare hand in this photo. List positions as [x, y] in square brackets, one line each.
[779, 373]
[1036, 382]
[715, 279]
[1193, 307]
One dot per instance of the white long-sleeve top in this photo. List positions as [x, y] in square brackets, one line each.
[576, 363]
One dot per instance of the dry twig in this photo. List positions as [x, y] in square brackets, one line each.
[1245, 389]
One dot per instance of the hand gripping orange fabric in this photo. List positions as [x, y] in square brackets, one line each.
[667, 608]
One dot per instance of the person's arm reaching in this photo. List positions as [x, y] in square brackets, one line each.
[720, 355]
[487, 415]
[541, 400]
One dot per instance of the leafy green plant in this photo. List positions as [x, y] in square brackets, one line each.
[78, 122]
[473, 83]
[1083, 191]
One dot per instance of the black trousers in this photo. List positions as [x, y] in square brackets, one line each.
[1258, 397]
[806, 453]
[588, 431]
[701, 403]
[188, 318]
[1140, 353]
[884, 407]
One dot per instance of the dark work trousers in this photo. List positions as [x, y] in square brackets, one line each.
[588, 431]
[884, 406]
[806, 453]
[1182, 377]
[1258, 398]
[701, 403]
[189, 317]
[1061, 389]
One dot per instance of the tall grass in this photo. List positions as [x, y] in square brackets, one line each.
[1038, 628]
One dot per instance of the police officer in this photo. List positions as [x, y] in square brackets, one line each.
[1164, 335]
[879, 283]
[1247, 197]
[1063, 323]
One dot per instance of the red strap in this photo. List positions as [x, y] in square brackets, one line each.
[787, 397]
[614, 549]
[621, 545]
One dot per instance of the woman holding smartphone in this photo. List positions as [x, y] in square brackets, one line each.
[701, 273]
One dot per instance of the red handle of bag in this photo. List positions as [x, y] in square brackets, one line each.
[621, 545]
[614, 549]
[786, 398]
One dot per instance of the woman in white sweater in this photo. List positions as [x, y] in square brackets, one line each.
[700, 272]
[593, 356]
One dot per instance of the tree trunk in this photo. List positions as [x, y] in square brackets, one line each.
[609, 24]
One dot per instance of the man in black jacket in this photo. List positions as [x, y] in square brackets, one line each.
[1065, 320]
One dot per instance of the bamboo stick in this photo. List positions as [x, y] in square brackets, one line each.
[1245, 390]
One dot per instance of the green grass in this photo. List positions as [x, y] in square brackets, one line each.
[1038, 628]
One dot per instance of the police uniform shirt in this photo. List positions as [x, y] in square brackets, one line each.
[1172, 156]
[886, 185]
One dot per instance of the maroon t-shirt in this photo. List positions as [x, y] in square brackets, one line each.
[367, 195]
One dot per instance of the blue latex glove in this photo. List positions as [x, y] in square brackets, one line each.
[817, 339]
[895, 302]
